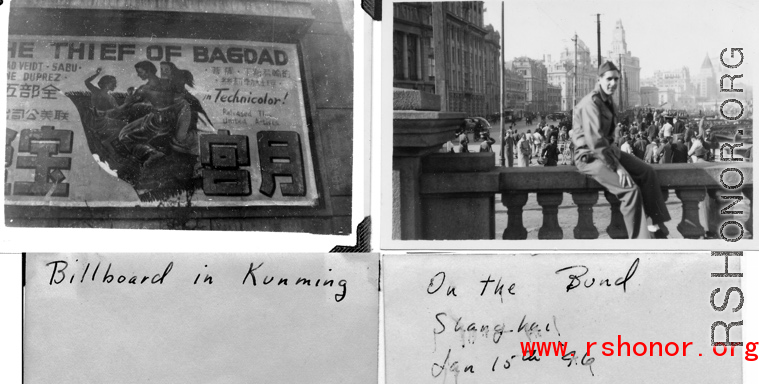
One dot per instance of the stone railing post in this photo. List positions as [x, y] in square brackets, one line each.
[457, 216]
[711, 212]
[585, 201]
[616, 228]
[550, 202]
[514, 203]
[690, 226]
[748, 192]
[419, 129]
[407, 169]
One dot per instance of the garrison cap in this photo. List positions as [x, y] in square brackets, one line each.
[607, 66]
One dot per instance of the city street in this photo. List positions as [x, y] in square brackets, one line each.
[495, 131]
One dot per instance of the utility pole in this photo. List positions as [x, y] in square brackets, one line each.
[574, 95]
[598, 22]
[621, 84]
[503, 62]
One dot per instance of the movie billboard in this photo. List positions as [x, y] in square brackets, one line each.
[107, 121]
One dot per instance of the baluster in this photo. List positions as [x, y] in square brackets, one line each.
[711, 213]
[550, 203]
[514, 203]
[749, 193]
[690, 226]
[585, 228]
[616, 228]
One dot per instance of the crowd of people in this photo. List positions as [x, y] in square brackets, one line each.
[667, 138]
[544, 145]
[654, 136]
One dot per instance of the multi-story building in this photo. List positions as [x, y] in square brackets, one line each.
[705, 83]
[492, 75]
[515, 92]
[677, 81]
[553, 98]
[413, 51]
[562, 73]
[443, 47]
[629, 88]
[536, 81]
[649, 96]
[668, 98]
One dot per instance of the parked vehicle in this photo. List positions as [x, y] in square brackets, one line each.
[477, 125]
[557, 116]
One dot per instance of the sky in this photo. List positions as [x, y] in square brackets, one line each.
[664, 34]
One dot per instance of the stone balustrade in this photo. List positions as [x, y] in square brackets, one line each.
[452, 196]
[462, 186]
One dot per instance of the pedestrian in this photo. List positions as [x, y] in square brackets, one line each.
[530, 138]
[537, 142]
[639, 147]
[634, 129]
[487, 142]
[547, 132]
[678, 126]
[652, 150]
[665, 151]
[525, 150]
[633, 182]
[463, 143]
[555, 133]
[448, 147]
[679, 151]
[551, 153]
[619, 135]
[564, 135]
[688, 134]
[666, 129]
[652, 131]
[711, 143]
[697, 151]
[508, 151]
[625, 146]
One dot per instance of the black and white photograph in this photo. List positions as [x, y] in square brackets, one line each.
[569, 120]
[190, 115]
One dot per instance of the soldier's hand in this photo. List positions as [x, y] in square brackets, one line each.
[624, 178]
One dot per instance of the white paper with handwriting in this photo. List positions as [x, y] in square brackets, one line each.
[461, 318]
[89, 328]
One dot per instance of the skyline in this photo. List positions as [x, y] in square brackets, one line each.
[546, 27]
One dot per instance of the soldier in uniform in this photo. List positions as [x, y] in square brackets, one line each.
[633, 181]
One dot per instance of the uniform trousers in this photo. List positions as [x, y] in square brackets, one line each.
[643, 197]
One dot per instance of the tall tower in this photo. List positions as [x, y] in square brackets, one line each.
[629, 64]
[707, 86]
[618, 43]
